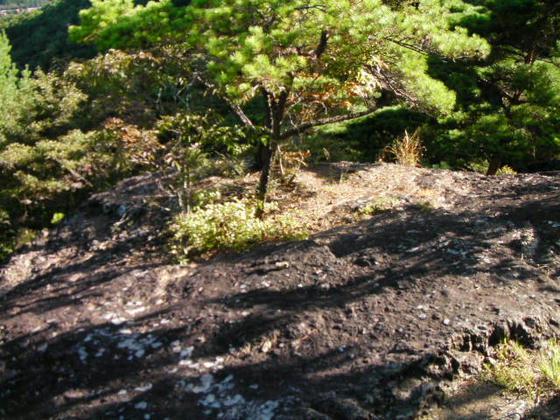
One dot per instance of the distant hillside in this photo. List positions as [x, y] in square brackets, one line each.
[23, 3]
[40, 38]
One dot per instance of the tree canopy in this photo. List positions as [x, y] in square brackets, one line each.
[310, 63]
[12, 84]
[508, 104]
[346, 50]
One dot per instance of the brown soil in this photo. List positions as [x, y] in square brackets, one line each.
[368, 318]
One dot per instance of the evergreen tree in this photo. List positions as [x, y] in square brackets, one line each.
[13, 87]
[509, 105]
[311, 64]
[8, 74]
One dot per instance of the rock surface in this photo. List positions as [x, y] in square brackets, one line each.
[361, 321]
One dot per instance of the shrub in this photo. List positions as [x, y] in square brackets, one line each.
[407, 150]
[289, 163]
[6, 235]
[363, 139]
[380, 205]
[532, 373]
[228, 226]
[506, 170]
[549, 363]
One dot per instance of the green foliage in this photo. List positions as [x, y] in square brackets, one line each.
[50, 176]
[363, 139]
[508, 105]
[272, 46]
[134, 87]
[549, 364]
[379, 205]
[14, 89]
[33, 175]
[229, 226]
[139, 87]
[52, 105]
[506, 170]
[304, 61]
[46, 162]
[57, 218]
[514, 369]
[531, 373]
[185, 154]
[7, 235]
[40, 38]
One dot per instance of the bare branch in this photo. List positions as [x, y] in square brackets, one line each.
[236, 109]
[425, 50]
[391, 84]
[324, 121]
[407, 45]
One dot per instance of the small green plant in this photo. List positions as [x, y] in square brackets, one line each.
[204, 197]
[25, 236]
[531, 373]
[506, 170]
[57, 218]
[380, 205]
[407, 150]
[441, 165]
[549, 363]
[479, 166]
[229, 226]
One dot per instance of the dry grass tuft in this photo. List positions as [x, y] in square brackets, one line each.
[407, 150]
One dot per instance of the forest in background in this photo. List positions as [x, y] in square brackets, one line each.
[477, 81]
[23, 3]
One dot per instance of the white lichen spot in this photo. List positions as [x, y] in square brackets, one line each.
[186, 353]
[135, 310]
[118, 321]
[142, 405]
[143, 388]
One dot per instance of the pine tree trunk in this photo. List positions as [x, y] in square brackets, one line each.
[495, 164]
[262, 188]
[260, 157]
[275, 113]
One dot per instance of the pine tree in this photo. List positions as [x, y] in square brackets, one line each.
[13, 87]
[509, 104]
[8, 73]
[310, 63]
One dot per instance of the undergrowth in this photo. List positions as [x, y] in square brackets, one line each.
[230, 225]
[506, 170]
[531, 373]
[379, 205]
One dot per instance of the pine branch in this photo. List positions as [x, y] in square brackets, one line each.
[236, 109]
[407, 46]
[324, 121]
